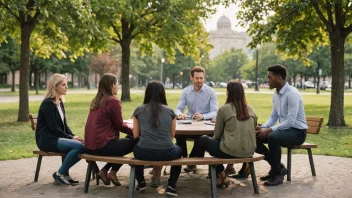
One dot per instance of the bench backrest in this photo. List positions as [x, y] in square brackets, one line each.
[33, 119]
[314, 124]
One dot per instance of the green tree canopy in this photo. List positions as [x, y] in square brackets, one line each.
[299, 26]
[168, 24]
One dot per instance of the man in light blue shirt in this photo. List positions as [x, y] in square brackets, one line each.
[202, 104]
[288, 109]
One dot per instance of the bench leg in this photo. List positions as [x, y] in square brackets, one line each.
[38, 168]
[213, 180]
[132, 181]
[311, 161]
[86, 182]
[289, 160]
[254, 178]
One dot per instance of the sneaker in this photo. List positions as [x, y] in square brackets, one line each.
[61, 179]
[274, 180]
[170, 191]
[268, 176]
[155, 182]
[265, 178]
[190, 169]
[283, 171]
[72, 180]
[141, 187]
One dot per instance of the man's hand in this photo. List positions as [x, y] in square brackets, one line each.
[198, 116]
[263, 133]
[182, 116]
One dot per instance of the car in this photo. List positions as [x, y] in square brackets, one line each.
[222, 84]
[211, 84]
[244, 85]
[247, 82]
[325, 85]
[346, 85]
[309, 84]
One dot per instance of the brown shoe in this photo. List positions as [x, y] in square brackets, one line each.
[223, 180]
[112, 177]
[103, 177]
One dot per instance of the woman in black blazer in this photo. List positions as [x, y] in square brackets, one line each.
[53, 134]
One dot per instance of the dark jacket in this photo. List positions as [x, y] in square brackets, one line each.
[50, 126]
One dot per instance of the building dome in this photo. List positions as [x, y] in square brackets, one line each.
[224, 23]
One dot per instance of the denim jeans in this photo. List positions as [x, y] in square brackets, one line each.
[276, 139]
[181, 141]
[71, 148]
[206, 143]
[158, 155]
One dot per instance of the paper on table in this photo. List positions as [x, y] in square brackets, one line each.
[184, 121]
[128, 121]
[209, 123]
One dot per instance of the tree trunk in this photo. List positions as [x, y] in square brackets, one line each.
[336, 115]
[13, 86]
[23, 111]
[30, 77]
[72, 80]
[125, 71]
[294, 79]
[36, 82]
[318, 76]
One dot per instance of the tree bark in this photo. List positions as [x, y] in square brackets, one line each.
[336, 115]
[13, 86]
[125, 71]
[23, 111]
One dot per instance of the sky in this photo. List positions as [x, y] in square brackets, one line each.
[230, 12]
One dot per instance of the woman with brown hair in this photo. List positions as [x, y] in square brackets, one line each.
[103, 128]
[234, 133]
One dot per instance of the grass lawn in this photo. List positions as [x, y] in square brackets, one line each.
[17, 139]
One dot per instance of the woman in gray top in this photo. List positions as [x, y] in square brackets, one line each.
[154, 124]
[234, 133]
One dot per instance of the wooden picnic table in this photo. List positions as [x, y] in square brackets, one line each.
[195, 128]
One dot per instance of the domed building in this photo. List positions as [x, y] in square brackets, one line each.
[224, 38]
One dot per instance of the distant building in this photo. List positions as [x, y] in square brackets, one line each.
[224, 38]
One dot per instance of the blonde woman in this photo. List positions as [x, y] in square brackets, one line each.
[53, 134]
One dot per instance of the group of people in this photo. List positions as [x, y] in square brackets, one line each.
[236, 132]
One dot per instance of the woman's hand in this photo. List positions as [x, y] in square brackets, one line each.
[77, 138]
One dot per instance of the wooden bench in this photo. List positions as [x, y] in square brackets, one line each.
[33, 120]
[211, 161]
[314, 125]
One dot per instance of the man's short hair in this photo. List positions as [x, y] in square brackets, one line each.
[197, 69]
[278, 70]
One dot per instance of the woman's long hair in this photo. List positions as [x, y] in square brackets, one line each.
[53, 81]
[236, 96]
[104, 90]
[154, 97]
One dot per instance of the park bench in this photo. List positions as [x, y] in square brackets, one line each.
[211, 161]
[33, 120]
[314, 125]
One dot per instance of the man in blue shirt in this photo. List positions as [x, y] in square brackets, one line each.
[288, 109]
[201, 103]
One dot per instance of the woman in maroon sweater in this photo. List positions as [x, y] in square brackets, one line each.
[103, 128]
